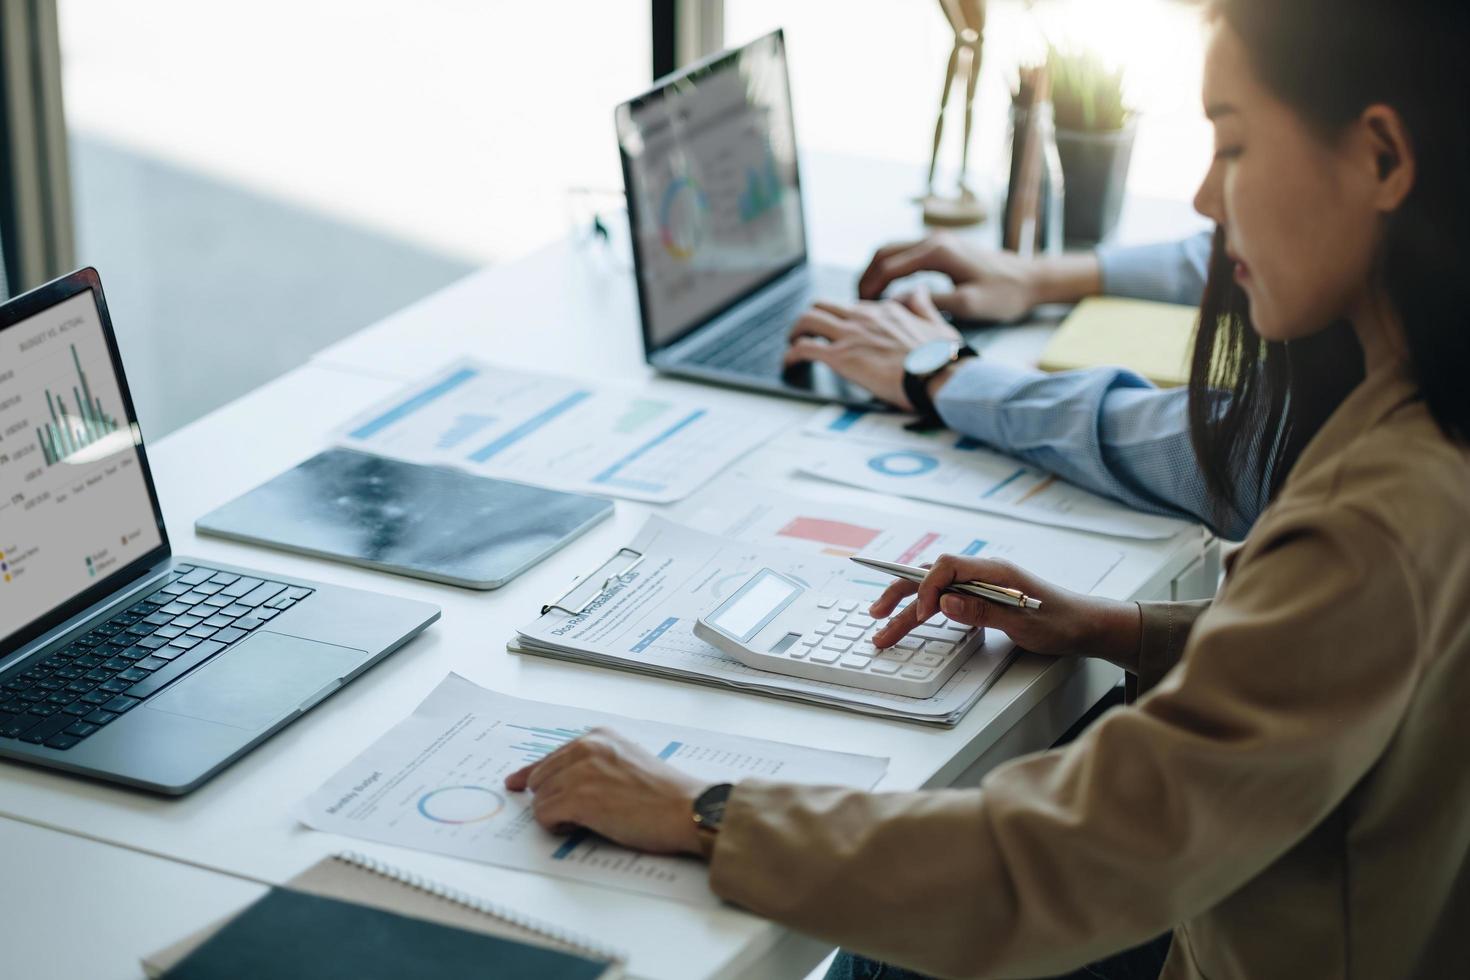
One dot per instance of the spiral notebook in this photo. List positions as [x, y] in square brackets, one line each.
[361, 880]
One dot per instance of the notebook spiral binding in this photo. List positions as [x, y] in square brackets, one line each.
[578, 944]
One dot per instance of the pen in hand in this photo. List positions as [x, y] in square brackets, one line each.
[981, 590]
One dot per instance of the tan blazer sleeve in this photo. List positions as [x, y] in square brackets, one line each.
[1165, 630]
[1290, 688]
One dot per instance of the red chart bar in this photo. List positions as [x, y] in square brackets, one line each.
[834, 533]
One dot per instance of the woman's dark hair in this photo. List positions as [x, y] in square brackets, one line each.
[1255, 404]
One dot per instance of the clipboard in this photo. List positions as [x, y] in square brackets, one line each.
[607, 582]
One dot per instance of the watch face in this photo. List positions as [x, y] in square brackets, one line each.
[709, 808]
[928, 358]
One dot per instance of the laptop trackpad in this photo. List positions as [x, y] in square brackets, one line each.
[259, 682]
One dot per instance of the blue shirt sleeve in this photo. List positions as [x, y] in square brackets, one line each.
[1105, 429]
[1169, 272]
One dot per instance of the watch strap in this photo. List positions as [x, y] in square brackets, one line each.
[916, 390]
[709, 808]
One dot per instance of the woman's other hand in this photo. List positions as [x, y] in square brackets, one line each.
[611, 786]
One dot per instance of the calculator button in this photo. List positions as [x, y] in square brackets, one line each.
[895, 655]
[928, 659]
[941, 647]
[810, 640]
[826, 603]
[822, 629]
[928, 631]
[854, 663]
[823, 656]
[798, 652]
[841, 646]
[865, 650]
[954, 627]
[847, 605]
[916, 673]
[848, 633]
[909, 643]
[881, 666]
[861, 622]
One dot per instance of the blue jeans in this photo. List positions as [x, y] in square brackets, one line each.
[1144, 962]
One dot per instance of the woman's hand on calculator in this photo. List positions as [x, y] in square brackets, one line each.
[1066, 624]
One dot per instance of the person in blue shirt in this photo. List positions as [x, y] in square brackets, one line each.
[1105, 429]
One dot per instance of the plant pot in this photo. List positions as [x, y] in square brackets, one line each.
[1095, 166]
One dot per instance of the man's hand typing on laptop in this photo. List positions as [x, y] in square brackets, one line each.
[989, 285]
[1105, 429]
[866, 342]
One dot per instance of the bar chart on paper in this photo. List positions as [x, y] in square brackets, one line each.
[561, 433]
[735, 510]
[436, 782]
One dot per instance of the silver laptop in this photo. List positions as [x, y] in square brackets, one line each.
[117, 659]
[719, 239]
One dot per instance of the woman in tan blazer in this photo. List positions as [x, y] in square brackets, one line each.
[1290, 796]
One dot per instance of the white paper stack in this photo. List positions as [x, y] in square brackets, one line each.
[637, 612]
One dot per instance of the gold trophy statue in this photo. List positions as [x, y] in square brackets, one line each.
[967, 17]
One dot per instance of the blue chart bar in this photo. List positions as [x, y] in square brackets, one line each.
[974, 547]
[529, 426]
[670, 749]
[1004, 483]
[541, 742]
[570, 844]
[464, 427]
[654, 634]
[610, 475]
[399, 412]
[846, 420]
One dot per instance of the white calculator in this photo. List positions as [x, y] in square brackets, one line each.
[774, 623]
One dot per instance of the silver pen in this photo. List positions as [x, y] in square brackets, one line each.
[982, 590]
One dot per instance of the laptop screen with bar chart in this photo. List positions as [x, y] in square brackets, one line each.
[76, 504]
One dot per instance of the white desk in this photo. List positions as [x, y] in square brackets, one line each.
[553, 310]
[81, 908]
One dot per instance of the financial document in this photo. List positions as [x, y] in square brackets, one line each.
[562, 433]
[641, 617]
[874, 451]
[746, 512]
[435, 782]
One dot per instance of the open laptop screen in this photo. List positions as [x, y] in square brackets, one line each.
[709, 160]
[75, 501]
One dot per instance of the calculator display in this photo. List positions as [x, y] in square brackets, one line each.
[749, 609]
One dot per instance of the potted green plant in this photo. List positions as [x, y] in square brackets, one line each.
[1094, 132]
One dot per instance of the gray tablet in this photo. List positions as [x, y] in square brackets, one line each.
[430, 522]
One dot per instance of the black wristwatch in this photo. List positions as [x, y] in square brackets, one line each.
[709, 811]
[920, 367]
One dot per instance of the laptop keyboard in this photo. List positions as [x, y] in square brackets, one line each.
[757, 348]
[57, 699]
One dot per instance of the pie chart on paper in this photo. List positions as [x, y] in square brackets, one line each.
[903, 463]
[460, 804]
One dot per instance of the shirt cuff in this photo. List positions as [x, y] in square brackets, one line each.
[1158, 272]
[970, 400]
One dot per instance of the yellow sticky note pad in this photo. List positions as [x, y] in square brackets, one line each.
[1153, 339]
